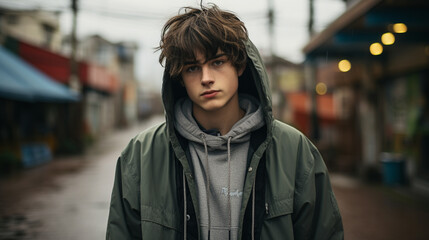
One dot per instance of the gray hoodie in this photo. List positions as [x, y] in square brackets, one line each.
[219, 164]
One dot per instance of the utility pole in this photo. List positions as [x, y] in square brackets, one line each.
[276, 93]
[75, 129]
[311, 80]
[271, 22]
[311, 18]
[74, 77]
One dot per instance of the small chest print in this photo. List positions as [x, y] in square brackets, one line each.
[235, 193]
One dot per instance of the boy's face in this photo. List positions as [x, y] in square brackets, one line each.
[211, 84]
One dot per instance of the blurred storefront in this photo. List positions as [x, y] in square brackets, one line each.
[285, 78]
[374, 59]
[71, 125]
[99, 88]
[36, 26]
[31, 107]
[114, 61]
[50, 105]
[293, 104]
[98, 85]
[129, 86]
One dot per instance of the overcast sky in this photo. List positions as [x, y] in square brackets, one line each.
[141, 21]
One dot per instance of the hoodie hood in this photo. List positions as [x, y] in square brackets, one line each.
[254, 82]
[187, 126]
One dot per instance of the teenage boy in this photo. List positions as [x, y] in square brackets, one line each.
[220, 167]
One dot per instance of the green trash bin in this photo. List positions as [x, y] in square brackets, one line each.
[393, 168]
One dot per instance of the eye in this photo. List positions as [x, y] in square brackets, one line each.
[218, 62]
[191, 68]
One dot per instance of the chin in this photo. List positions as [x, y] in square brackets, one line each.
[211, 107]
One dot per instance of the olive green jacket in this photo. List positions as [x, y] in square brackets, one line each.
[154, 194]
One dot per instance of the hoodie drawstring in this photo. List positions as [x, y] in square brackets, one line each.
[184, 208]
[229, 185]
[253, 209]
[208, 183]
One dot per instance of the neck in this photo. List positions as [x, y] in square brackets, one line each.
[222, 119]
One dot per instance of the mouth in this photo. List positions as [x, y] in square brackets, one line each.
[210, 93]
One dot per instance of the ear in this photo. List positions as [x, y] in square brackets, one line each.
[241, 70]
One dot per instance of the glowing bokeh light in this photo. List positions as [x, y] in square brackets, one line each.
[344, 65]
[321, 88]
[400, 28]
[388, 38]
[376, 48]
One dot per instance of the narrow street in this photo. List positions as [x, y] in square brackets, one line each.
[69, 199]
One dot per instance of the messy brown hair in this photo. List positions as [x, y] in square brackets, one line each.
[204, 30]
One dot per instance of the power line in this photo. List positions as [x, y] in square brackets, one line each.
[28, 4]
[123, 13]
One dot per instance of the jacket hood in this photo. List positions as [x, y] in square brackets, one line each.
[254, 81]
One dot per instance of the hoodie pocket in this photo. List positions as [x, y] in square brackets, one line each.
[159, 223]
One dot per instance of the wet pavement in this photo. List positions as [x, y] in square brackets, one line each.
[378, 212]
[68, 198]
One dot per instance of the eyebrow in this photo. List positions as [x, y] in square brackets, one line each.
[196, 61]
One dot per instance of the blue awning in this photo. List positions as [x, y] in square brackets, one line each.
[21, 81]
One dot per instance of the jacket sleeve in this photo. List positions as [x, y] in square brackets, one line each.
[124, 220]
[316, 214]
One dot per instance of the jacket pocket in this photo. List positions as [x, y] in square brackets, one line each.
[278, 221]
[279, 208]
[159, 223]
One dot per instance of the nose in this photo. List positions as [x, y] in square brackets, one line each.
[207, 76]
